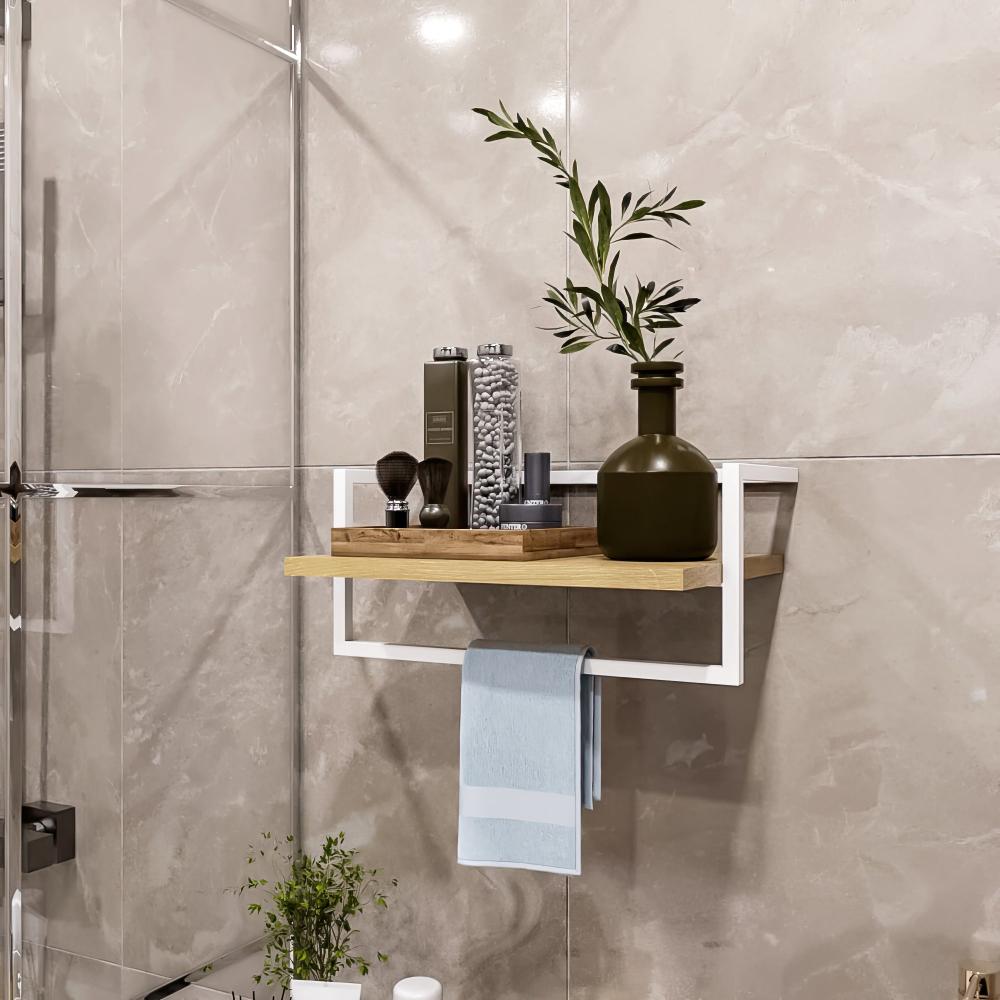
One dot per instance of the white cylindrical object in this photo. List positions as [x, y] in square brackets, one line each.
[417, 988]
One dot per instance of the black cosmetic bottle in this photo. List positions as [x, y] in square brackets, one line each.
[446, 404]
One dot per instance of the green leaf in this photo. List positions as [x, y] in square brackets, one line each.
[665, 343]
[646, 236]
[583, 240]
[641, 297]
[492, 116]
[666, 295]
[603, 223]
[569, 348]
[579, 205]
[685, 206]
[619, 349]
[588, 293]
[592, 203]
[670, 217]
[502, 135]
[633, 338]
[613, 269]
[611, 307]
[626, 201]
[680, 305]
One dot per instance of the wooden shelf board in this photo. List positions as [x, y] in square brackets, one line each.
[593, 571]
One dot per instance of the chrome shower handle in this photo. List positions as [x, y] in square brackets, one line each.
[975, 983]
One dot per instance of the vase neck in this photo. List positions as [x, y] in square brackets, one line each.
[657, 410]
[657, 383]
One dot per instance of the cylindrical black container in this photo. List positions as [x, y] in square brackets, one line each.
[657, 495]
[535, 511]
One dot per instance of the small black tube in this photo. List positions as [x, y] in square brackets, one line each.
[537, 477]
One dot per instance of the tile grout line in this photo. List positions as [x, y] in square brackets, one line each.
[898, 457]
[567, 119]
[568, 114]
[121, 503]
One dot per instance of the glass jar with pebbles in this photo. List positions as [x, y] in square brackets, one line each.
[496, 433]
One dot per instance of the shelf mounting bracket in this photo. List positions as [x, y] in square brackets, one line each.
[733, 478]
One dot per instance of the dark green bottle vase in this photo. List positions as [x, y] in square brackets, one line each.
[657, 495]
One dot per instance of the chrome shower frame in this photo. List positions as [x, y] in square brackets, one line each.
[15, 491]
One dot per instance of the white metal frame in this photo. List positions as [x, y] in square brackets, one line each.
[733, 476]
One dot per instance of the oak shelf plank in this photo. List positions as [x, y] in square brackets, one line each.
[594, 571]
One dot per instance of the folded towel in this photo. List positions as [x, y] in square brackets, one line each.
[529, 756]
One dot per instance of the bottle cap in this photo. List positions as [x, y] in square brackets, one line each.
[495, 350]
[450, 354]
[417, 988]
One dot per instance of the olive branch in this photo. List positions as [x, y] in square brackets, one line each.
[585, 312]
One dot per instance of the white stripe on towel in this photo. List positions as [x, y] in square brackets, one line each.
[483, 802]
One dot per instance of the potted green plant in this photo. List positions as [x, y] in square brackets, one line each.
[656, 494]
[311, 905]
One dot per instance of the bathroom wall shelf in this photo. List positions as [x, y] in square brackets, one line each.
[728, 572]
[572, 571]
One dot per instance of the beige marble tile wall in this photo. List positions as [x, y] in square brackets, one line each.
[829, 830]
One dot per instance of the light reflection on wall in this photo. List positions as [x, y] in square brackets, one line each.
[442, 29]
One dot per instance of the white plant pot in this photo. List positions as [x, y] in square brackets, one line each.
[303, 989]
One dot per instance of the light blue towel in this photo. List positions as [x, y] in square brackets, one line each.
[530, 756]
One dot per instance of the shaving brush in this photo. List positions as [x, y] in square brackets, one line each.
[434, 475]
[396, 473]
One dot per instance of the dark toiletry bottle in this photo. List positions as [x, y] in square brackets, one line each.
[446, 403]
[536, 511]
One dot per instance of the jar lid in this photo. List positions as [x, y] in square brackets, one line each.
[450, 354]
[495, 350]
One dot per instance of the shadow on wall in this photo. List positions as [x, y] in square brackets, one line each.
[677, 759]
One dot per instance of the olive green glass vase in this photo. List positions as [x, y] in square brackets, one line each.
[657, 495]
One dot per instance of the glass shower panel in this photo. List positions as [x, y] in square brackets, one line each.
[207, 708]
[159, 705]
[206, 350]
[158, 634]
[73, 739]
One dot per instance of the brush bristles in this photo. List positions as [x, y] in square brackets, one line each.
[434, 474]
[396, 473]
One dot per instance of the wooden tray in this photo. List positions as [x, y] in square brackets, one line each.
[465, 543]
